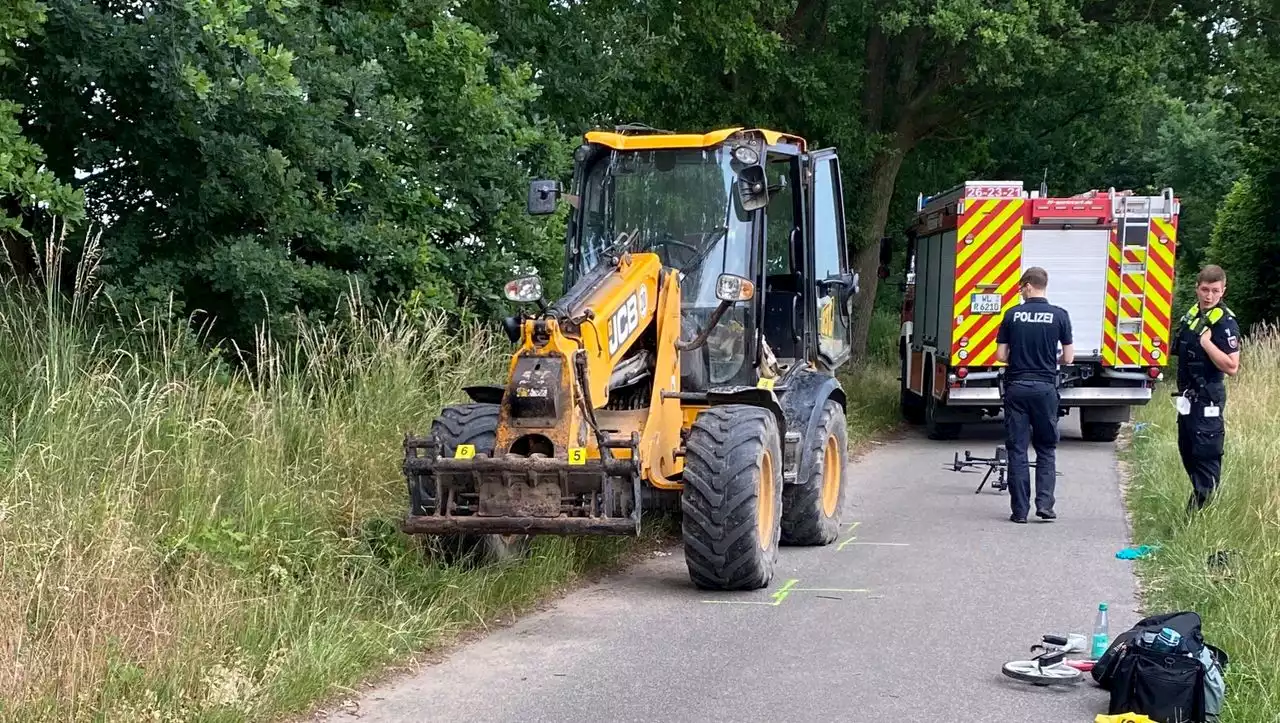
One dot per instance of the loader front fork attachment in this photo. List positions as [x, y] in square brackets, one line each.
[516, 494]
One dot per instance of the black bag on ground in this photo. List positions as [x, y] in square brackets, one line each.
[1182, 686]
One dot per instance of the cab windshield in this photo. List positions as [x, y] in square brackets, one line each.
[681, 205]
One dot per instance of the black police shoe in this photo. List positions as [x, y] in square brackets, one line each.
[1020, 520]
[1047, 514]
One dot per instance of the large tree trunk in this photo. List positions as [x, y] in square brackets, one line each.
[884, 177]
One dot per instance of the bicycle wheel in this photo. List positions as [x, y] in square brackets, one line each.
[1030, 671]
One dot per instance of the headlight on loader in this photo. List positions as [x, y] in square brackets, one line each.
[734, 288]
[526, 289]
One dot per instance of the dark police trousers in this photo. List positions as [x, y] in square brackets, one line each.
[1031, 410]
[1201, 439]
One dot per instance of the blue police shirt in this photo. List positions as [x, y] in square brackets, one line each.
[1033, 330]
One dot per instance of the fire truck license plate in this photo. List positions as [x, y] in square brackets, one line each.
[984, 304]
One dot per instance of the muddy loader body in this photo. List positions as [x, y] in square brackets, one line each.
[689, 362]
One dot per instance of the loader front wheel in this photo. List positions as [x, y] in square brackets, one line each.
[475, 424]
[811, 508]
[732, 500]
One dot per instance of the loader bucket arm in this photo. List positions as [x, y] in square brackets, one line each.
[554, 467]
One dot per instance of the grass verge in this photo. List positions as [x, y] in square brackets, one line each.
[1240, 603]
[871, 384]
[183, 539]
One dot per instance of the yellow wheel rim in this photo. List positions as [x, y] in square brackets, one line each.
[830, 476]
[765, 505]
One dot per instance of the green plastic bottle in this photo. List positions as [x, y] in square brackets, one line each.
[1101, 636]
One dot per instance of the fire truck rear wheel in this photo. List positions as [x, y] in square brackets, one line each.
[1099, 431]
[934, 428]
[910, 403]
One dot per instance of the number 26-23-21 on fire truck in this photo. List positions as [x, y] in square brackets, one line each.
[1110, 259]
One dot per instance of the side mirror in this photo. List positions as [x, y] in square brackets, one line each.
[542, 197]
[753, 188]
[845, 286]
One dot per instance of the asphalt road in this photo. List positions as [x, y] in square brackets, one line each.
[909, 618]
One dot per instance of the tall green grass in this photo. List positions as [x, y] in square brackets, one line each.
[184, 539]
[1239, 602]
[871, 383]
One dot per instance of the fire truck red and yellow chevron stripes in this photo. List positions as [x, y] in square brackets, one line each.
[1157, 313]
[1111, 318]
[988, 260]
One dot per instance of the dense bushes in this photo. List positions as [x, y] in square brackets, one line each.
[1249, 251]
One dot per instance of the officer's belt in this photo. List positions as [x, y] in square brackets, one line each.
[1200, 386]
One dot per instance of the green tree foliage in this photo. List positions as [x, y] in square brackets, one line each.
[254, 159]
[1246, 237]
[879, 80]
[1248, 249]
[26, 187]
[251, 158]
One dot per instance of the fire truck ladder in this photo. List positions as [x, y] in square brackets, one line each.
[1133, 223]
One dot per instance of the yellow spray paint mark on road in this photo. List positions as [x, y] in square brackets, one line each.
[778, 597]
[851, 537]
[784, 592]
[852, 540]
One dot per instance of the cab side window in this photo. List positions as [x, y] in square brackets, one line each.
[828, 258]
[781, 214]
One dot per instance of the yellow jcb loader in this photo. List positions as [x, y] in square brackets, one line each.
[689, 361]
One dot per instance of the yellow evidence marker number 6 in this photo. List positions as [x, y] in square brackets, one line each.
[577, 455]
[464, 451]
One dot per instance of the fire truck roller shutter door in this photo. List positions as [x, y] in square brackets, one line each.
[1076, 260]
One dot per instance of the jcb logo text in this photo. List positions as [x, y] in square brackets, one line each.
[624, 321]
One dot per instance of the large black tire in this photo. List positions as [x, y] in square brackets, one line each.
[933, 428]
[1099, 431]
[811, 507]
[732, 500]
[909, 403]
[911, 407]
[475, 424]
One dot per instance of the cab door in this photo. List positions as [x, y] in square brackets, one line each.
[833, 286]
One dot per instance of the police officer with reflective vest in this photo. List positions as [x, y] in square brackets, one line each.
[1028, 341]
[1207, 346]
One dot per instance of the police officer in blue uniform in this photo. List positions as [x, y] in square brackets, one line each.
[1028, 341]
[1207, 346]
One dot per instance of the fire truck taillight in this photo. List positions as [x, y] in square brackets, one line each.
[1153, 372]
[962, 372]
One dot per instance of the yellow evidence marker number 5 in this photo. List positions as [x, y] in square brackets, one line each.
[577, 455]
[464, 451]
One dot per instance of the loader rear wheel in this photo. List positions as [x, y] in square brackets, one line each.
[475, 424]
[732, 500]
[811, 507]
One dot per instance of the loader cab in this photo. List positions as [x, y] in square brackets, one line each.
[809, 288]
[749, 203]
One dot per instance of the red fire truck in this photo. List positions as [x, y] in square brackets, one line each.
[1110, 258]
